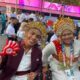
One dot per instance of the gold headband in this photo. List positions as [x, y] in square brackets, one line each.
[63, 24]
[38, 25]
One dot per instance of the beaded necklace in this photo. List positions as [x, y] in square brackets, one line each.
[67, 61]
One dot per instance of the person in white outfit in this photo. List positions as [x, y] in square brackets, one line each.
[10, 30]
[63, 54]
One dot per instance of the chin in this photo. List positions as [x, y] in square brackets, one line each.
[68, 43]
[31, 44]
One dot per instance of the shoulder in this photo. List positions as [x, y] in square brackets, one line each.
[51, 44]
[77, 42]
[38, 49]
[49, 48]
[36, 52]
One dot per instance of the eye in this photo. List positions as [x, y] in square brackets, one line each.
[32, 33]
[38, 36]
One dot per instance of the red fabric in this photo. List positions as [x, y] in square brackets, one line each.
[58, 49]
[49, 23]
[58, 46]
[44, 76]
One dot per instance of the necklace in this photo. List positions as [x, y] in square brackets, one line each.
[67, 61]
[64, 61]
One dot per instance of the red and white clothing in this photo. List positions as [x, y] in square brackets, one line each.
[57, 72]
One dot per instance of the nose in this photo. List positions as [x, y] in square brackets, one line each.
[34, 37]
[66, 36]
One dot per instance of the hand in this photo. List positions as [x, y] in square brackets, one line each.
[45, 69]
[32, 75]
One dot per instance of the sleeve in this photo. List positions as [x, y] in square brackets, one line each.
[3, 63]
[47, 51]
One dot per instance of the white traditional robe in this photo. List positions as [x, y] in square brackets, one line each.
[57, 73]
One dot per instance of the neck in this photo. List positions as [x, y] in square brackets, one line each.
[68, 44]
[27, 48]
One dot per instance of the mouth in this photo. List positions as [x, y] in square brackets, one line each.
[32, 42]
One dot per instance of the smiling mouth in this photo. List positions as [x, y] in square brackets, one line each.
[32, 42]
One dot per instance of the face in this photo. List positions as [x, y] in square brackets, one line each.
[32, 37]
[67, 37]
[13, 21]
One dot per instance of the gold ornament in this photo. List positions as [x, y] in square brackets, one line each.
[63, 24]
[38, 25]
[41, 27]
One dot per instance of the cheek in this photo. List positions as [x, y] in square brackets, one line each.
[71, 37]
[28, 36]
[68, 39]
[26, 39]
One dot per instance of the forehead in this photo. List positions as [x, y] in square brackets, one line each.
[34, 30]
[66, 31]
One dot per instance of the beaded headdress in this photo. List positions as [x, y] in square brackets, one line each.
[38, 25]
[63, 24]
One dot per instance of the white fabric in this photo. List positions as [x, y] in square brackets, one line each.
[22, 17]
[57, 73]
[78, 24]
[20, 34]
[54, 37]
[24, 65]
[10, 30]
[32, 15]
[13, 15]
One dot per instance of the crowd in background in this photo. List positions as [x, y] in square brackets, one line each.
[16, 19]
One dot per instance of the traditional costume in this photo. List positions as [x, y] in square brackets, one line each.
[16, 67]
[64, 63]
